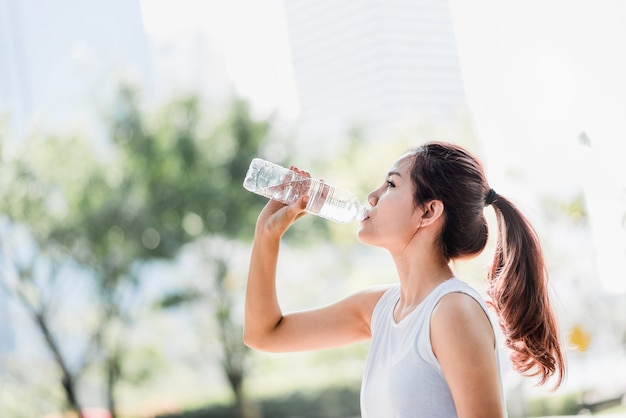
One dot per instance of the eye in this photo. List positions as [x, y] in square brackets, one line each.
[390, 183]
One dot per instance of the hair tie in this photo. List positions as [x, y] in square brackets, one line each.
[491, 197]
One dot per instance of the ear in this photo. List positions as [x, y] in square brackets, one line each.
[432, 212]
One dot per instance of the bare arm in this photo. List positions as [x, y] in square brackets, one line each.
[464, 343]
[266, 327]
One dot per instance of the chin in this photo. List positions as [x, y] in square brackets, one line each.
[361, 235]
[364, 237]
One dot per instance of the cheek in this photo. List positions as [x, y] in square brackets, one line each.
[403, 223]
[381, 231]
[395, 218]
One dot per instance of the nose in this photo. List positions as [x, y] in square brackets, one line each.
[372, 198]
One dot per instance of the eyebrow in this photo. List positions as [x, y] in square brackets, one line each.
[393, 173]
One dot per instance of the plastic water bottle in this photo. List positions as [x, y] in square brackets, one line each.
[279, 183]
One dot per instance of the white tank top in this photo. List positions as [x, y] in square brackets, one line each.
[402, 376]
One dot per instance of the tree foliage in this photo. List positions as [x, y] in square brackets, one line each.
[159, 182]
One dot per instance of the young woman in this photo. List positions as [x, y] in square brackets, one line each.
[433, 351]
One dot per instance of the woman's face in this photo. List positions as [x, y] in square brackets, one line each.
[393, 218]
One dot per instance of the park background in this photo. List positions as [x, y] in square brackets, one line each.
[127, 127]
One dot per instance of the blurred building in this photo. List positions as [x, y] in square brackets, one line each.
[186, 54]
[372, 63]
[56, 58]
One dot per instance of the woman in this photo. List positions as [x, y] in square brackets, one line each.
[433, 351]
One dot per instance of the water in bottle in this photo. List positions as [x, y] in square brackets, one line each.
[279, 183]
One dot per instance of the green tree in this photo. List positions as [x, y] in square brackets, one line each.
[176, 184]
[35, 266]
[193, 188]
[159, 184]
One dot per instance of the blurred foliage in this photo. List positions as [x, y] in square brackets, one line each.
[158, 184]
[330, 402]
[574, 210]
[574, 403]
[32, 197]
[579, 338]
[569, 404]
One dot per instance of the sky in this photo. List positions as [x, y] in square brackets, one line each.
[553, 70]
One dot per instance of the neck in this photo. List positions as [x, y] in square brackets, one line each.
[419, 272]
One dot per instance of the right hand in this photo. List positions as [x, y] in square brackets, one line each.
[276, 217]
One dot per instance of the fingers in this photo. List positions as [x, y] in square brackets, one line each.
[301, 205]
[297, 209]
[301, 172]
[277, 217]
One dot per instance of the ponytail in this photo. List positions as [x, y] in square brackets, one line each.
[517, 284]
[518, 281]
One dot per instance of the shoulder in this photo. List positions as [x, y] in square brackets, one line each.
[460, 316]
[458, 306]
[458, 301]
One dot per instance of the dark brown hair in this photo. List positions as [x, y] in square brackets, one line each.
[517, 281]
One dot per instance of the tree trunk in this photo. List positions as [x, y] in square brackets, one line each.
[236, 384]
[112, 373]
[243, 408]
[67, 379]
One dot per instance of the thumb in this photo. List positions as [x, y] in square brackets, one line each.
[299, 207]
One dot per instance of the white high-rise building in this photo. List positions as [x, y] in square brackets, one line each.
[372, 63]
[57, 57]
